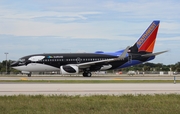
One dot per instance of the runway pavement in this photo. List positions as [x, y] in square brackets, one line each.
[89, 78]
[15, 88]
[86, 89]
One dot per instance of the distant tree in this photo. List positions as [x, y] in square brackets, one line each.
[146, 68]
[9, 69]
[152, 66]
[164, 68]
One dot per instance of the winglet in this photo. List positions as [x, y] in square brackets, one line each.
[123, 55]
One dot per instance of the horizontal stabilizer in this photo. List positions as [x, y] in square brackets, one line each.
[153, 54]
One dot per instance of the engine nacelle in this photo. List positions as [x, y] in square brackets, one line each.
[106, 67]
[69, 69]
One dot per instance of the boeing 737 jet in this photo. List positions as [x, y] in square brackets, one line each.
[85, 63]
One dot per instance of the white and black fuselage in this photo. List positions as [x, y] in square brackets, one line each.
[74, 63]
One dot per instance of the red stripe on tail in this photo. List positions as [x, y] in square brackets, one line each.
[148, 44]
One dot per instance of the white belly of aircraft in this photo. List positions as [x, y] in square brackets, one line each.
[36, 67]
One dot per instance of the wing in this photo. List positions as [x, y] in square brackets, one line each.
[88, 64]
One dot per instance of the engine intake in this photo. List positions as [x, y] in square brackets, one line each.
[69, 69]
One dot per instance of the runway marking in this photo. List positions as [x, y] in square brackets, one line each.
[117, 79]
[24, 79]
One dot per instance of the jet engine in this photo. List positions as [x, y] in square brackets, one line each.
[69, 69]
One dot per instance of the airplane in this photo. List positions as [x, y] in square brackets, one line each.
[85, 63]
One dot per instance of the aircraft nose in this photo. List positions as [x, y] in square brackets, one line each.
[14, 64]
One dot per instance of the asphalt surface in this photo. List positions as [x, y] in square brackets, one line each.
[16, 88]
[87, 89]
[90, 78]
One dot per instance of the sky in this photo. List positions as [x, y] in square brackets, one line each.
[67, 26]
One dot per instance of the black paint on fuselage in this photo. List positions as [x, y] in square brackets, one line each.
[62, 59]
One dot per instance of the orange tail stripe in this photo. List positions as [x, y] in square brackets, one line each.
[149, 41]
[151, 47]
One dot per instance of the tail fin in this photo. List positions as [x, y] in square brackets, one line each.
[146, 42]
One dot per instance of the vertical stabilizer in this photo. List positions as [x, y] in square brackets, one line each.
[147, 41]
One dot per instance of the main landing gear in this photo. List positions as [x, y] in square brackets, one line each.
[87, 74]
[29, 74]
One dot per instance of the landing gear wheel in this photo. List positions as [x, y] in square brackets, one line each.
[87, 74]
[84, 74]
[29, 75]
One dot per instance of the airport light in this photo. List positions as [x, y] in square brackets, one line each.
[6, 60]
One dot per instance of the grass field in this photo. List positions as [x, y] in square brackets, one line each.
[97, 104]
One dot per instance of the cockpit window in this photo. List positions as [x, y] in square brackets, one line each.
[21, 60]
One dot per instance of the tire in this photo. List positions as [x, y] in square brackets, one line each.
[84, 74]
[89, 74]
[29, 75]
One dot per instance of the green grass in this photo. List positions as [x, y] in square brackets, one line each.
[96, 104]
[93, 81]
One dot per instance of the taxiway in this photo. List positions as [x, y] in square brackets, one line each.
[86, 89]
